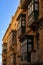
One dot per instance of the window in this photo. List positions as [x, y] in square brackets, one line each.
[29, 47]
[30, 8]
[4, 51]
[23, 23]
[24, 48]
[19, 31]
[21, 58]
[30, 43]
[30, 19]
[5, 46]
[24, 57]
[11, 58]
[36, 6]
[12, 37]
[24, 42]
[19, 24]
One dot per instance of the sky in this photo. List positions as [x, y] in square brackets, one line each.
[7, 10]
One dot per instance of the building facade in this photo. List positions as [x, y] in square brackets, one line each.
[31, 36]
[13, 47]
[24, 36]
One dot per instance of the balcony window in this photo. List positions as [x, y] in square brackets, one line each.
[4, 51]
[30, 43]
[21, 58]
[24, 57]
[24, 48]
[11, 59]
[30, 8]
[23, 21]
[27, 46]
[36, 6]
[14, 34]
[5, 46]
[19, 24]
[13, 37]
[19, 31]
[30, 19]
[24, 42]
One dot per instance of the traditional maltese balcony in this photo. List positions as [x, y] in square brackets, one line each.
[21, 24]
[33, 14]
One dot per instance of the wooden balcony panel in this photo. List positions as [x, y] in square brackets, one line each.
[24, 3]
[34, 57]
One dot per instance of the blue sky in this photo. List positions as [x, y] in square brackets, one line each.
[7, 10]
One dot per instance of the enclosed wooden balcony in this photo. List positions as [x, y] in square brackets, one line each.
[21, 24]
[24, 3]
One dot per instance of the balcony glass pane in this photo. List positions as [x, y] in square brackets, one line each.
[4, 51]
[19, 31]
[36, 6]
[30, 8]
